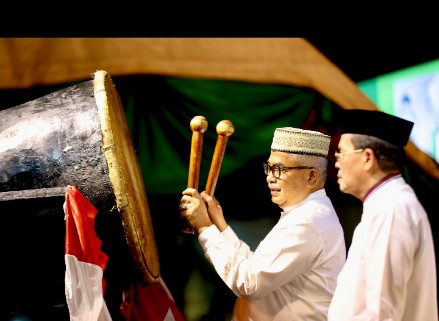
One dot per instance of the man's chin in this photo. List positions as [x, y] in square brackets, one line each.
[275, 200]
[341, 187]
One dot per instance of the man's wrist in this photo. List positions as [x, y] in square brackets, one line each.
[201, 229]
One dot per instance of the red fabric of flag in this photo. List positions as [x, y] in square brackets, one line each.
[152, 302]
[85, 262]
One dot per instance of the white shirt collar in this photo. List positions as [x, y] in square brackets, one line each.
[317, 194]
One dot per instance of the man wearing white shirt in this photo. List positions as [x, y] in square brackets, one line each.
[390, 271]
[292, 273]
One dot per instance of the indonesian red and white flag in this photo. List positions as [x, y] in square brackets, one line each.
[85, 262]
[152, 302]
[85, 266]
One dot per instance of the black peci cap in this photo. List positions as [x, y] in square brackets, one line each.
[376, 123]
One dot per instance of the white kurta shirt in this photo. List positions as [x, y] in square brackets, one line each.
[390, 272]
[292, 273]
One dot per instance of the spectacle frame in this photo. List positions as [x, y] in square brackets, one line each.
[277, 170]
[341, 155]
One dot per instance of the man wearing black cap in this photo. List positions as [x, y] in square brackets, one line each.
[390, 272]
[292, 274]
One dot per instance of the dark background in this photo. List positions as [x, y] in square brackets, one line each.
[363, 58]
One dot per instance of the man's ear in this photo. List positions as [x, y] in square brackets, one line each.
[313, 176]
[370, 158]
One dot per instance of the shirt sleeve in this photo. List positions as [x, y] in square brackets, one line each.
[286, 252]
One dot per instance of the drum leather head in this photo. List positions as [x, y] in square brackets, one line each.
[126, 178]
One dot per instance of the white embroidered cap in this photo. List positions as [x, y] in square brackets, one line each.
[300, 141]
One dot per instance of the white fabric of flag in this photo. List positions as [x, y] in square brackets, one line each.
[85, 262]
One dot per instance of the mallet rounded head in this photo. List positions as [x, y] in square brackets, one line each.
[225, 128]
[199, 124]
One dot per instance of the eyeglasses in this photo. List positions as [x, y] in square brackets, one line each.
[277, 170]
[342, 155]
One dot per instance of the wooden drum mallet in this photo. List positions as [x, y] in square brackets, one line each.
[198, 126]
[224, 130]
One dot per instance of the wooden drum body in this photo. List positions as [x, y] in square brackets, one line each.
[76, 136]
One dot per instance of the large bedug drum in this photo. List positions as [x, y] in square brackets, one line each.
[75, 136]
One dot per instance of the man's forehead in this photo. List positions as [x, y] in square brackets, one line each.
[282, 157]
[346, 139]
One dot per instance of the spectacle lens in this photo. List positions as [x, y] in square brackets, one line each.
[277, 170]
